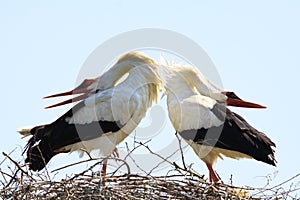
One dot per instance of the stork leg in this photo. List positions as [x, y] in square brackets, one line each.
[116, 153]
[213, 177]
[104, 166]
[103, 171]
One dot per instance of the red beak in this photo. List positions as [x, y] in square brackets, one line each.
[81, 89]
[234, 100]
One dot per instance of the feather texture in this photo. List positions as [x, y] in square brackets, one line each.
[109, 114]
[198, 112]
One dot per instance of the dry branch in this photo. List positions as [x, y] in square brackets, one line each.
[178, 183]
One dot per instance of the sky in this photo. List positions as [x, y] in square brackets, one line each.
[254, 45]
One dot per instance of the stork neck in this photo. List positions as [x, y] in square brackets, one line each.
[111, 77]
[125, 64]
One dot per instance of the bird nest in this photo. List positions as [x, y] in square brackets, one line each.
[180, 182]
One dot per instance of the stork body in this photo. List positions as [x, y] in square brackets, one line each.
[198, 111]
[107, 114]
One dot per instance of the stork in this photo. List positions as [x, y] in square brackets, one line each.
[107, 113]
[198, 111]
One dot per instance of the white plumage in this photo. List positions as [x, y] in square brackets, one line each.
[110, 111]
[189, 99]
[197, 110]
[126, 103]
[113, 105]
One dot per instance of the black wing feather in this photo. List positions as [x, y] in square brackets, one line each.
[40, 147]
[235, 134]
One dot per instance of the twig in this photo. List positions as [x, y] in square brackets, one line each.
[73, 164]
[152, 152]
[180, 182]
[8, 154]
[17, 165]
[45, 163]
[138, 166]
[189, 171]
[128, 154]
[84, 150]
[181, 151]
[276, 186]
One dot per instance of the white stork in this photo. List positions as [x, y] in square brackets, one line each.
[198, 112]
[106, 115]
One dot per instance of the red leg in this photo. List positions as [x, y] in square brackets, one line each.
[104, 167]
[213, 177]
[103, 171]
[116, 153]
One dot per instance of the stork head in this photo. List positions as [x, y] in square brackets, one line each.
[195, 79]
[234, 100]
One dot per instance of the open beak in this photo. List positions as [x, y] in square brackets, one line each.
[82, 89]
[234, 100]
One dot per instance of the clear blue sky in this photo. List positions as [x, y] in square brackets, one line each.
[255, 46]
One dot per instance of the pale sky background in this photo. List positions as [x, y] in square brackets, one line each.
[255, 46]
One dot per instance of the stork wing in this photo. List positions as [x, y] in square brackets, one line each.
[234, 134]
[72, 127]
[194, 112]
